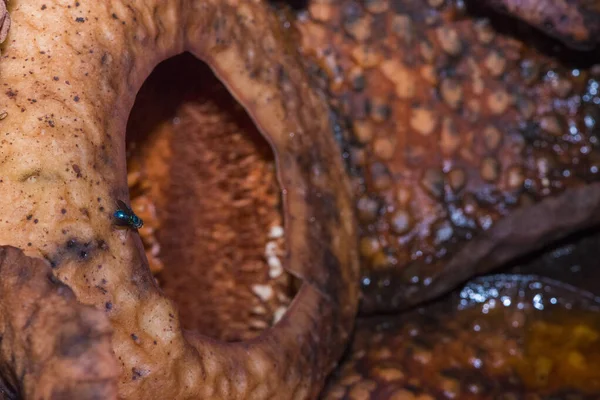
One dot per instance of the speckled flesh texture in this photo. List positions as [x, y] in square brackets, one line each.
[468, 147]
[477, 345]
[4, 21]
[69, 75]
[576, 23]
[53, 347]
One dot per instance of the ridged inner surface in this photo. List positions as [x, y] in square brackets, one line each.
[203, 179]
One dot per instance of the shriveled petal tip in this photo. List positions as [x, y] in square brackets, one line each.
[4, 21]
[52, 346]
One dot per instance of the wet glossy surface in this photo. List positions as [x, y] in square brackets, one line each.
[573, 261]
[500, 337]
[455, 120]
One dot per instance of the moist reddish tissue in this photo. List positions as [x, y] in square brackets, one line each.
[197, 209]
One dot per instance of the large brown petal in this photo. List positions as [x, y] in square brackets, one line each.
[468, 147]
[70, 74]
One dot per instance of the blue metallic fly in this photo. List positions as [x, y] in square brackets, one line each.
[125, 216]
